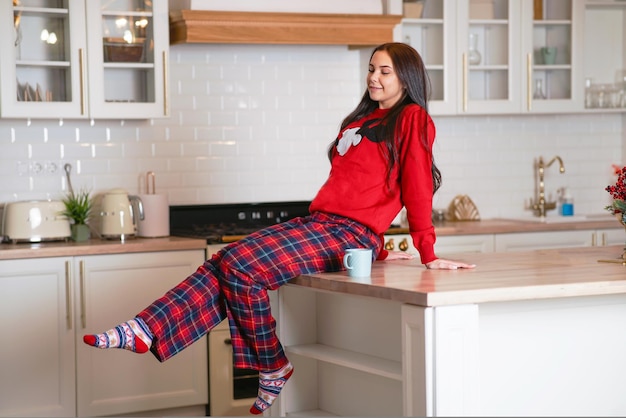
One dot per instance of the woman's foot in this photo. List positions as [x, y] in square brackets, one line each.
[270, 385]
[132, 335]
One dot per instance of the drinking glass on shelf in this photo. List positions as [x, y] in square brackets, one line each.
[539, 94]
[473, 56]
[589, 92]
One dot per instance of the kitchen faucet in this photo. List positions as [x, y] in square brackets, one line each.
[540, 206]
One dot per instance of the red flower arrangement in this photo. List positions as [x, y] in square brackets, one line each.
[618, 192]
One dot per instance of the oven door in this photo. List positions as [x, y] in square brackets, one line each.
[231, 391]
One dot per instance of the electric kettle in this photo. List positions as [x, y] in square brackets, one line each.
[118, 219]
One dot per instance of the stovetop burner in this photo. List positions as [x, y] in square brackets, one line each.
[229, 222]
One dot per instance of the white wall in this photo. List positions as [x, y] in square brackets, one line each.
[252, 123]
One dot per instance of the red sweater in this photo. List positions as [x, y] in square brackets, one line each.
[357, 186]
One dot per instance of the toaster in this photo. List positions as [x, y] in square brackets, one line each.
[35, 221]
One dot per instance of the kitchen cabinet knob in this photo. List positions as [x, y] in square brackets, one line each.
[228, 341]
[390, 245]
[404, 245]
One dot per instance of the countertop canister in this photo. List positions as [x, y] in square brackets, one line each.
[155, 221]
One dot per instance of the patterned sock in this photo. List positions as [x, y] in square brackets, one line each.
[270, 385]
[133, 335]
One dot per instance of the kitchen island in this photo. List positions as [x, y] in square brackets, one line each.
[535, 333]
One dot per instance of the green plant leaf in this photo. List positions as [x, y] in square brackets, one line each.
[78, 207]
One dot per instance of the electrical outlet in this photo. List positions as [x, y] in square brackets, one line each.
[38, 168]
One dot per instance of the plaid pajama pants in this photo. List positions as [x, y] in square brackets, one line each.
[233, 284]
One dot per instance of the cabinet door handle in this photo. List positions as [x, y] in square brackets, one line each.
[604, 243]
[594, 240]
[465, 82]
[83, 318]
[228, 341]
[165, 85]
[68, 294]
[81, 67]
[529, 79]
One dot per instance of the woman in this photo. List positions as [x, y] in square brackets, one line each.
[381, 161]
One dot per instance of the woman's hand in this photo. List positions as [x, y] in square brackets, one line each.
[441, 264]
[398, 255]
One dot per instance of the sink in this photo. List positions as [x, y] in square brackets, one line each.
[552, 219]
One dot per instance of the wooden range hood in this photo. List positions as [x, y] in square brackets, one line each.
[204, 26]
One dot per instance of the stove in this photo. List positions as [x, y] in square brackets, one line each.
[225, 223]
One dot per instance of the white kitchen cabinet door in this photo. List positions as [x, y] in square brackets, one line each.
[464, 243]
[43, 63]
[84, 59]
[526, 241]
[488, 45]
[552, 83]
[127, 58]
[480, 75]
[433, 35]
[559, 239]
[37, 368]
[484, 56]
[111, 289]
[613, 236]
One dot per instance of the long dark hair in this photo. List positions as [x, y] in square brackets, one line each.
[409, 67]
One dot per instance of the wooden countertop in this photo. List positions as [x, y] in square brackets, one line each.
[97, 247]
[498, 277]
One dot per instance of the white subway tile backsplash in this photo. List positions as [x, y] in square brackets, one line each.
[252, 123]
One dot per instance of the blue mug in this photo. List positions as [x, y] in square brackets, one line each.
[358, 262]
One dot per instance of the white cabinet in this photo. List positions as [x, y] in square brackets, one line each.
[484, 57]
[346, 352]
[465, 243]
[37, 371]
[49, 371]
[552, 41]
[558, 239]
[605, 55]
[602, 237]
[84, 59]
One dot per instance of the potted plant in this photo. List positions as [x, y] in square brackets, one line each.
[78, 208]
[618, 193]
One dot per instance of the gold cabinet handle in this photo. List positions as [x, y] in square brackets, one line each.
[390, 245]
[404, 245]
[465, 76]
[604, 240]
[594, 240]
[529, 81]
[165, 84]
[81, 67]
[68, 294]
[83, 317]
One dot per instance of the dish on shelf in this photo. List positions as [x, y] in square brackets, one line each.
[118, 50]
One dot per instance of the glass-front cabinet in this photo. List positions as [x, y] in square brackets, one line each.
[552, 39]
[499, 56]
[430, 28]
[83, 58]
